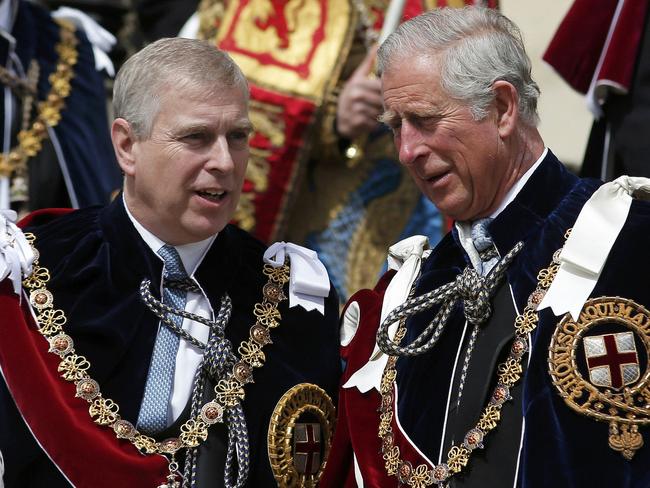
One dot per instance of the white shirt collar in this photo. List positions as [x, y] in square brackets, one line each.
[191, 254]
[519, 184]
[464, 229]
[8, 14]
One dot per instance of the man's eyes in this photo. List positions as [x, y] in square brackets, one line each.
[238, 135]
[195, 137]
[424, 122]
[238, 139]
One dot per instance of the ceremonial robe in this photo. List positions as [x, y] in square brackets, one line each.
[97, 261]
[539, 441]
[605, 54]
[76, 164]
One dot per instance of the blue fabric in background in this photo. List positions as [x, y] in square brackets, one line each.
[83, 131]
[333, 244]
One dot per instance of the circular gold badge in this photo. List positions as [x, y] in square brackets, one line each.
[300, 435]
[599, 365]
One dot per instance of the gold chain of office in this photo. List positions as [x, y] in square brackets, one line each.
[105, 412]
[30, 141]
[509, 373]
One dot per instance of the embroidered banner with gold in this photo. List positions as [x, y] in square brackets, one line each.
[291, 52]
[280, 123]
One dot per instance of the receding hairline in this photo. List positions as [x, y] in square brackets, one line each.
[464, 40]
[195, 87]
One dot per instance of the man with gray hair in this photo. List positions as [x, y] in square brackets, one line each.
[155, 344]
[516, 352]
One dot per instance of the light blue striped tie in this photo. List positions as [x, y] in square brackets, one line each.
[157, 393]
[483, 242]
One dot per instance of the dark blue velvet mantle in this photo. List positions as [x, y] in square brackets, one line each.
[560, 448]
[97, 261]
[83, 131]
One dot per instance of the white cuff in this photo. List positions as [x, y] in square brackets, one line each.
[101, 40]
[190, 29]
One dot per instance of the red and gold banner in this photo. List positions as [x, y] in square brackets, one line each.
[281, 122]
[292, 52]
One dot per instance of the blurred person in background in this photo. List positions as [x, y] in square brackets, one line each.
[56, 140]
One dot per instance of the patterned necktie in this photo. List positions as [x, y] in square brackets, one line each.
[157, 393]
[489, 258]
[483, 243]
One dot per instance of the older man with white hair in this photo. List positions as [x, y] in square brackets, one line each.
[155, 344]
[515, 353]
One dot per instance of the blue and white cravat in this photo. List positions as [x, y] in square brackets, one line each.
[483, 242]
[157, 393]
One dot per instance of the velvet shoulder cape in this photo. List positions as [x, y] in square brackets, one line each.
[560, 447]
[97, 261]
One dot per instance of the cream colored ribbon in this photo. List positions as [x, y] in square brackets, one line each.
[309, 282]
[585, 251]
[101, 40]
[16, 255]
[406, 257]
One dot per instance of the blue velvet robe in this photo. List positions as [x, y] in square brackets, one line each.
[97, 261]
[85, 171]
[560, 448]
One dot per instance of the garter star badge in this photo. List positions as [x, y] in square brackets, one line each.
[599, 365]
[300, 434]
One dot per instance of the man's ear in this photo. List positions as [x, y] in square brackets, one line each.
[506, 101]
[123, 143]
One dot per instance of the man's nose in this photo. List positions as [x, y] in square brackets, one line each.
[220, 159]
[410, 143]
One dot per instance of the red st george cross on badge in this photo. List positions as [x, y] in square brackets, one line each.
[307, 448]
[612, 359]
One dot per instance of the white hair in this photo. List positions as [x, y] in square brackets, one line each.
[170, 64]
[475, 47]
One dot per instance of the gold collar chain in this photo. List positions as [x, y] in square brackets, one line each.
[105, 412]
[30, 141]
[508, 372]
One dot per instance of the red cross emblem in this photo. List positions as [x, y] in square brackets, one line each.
[612, 359]
[306, 448]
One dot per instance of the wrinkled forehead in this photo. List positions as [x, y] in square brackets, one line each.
[181, 99]
[406, 78]
[199, 87]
